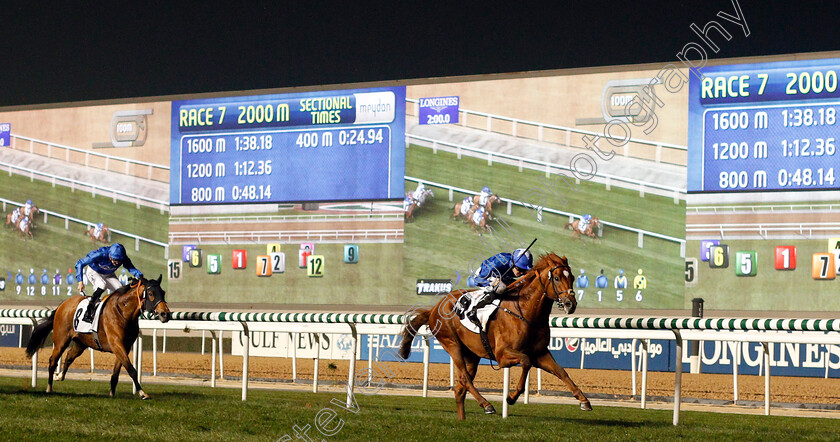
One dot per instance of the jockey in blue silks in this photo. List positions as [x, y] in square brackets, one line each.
[494, 275]
[99, 267]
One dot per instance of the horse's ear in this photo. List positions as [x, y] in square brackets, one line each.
[160, 278]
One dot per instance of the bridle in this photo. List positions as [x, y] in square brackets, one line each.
[143, 299]
[149, 305]
[559, 293]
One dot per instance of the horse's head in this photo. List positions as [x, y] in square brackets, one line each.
[154, 299]
[557, 281]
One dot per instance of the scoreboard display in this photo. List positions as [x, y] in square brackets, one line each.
[764, 127]
[318, 146]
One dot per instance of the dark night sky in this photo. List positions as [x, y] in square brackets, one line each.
[70, 52]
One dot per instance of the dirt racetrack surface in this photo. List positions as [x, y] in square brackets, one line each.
[603, 383]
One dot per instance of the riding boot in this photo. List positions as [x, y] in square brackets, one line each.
[473, 316]
[91, 308]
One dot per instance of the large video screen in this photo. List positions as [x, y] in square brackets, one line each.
[657, 184]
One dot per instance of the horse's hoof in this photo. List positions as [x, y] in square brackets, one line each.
[510, 400]
[585, 406]
[489, 409]
[49, 389]
[143, 395]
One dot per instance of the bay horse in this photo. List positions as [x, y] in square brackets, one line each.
[590, 229]
[118, 328]
[513, 340]
[104, 233]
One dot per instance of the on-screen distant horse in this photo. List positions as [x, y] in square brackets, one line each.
[589, 231]
[420, 198]
[409, 206]
[513, 340]
[100, 232]
[24, 228]
[417, 199]
[13, 218]
[488, 204]
[30, 211]
[478, 221]
[118, 328]
[464, 208]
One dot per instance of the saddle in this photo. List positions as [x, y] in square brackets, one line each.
[466, 302]
[88, 327]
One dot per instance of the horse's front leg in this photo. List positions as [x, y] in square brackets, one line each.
[547, 363]
[510, 358]
[122, 358]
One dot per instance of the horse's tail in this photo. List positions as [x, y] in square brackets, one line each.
[39, 334]
[410, 330]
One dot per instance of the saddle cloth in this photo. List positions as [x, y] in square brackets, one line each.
[483, 313]
[86, 327]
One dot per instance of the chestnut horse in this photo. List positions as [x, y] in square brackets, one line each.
[590, 229]
[408, 209]
[33, 210]
[459, 211]
[478, 220]
[488, 205]
[104, 234]
[118, 328]
[13, 218]
[514, 340]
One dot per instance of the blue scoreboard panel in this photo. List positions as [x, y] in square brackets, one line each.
[316, 146]
[764, 127]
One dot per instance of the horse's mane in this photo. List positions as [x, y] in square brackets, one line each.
[548, 261]
[122, 290]
[132, 283]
